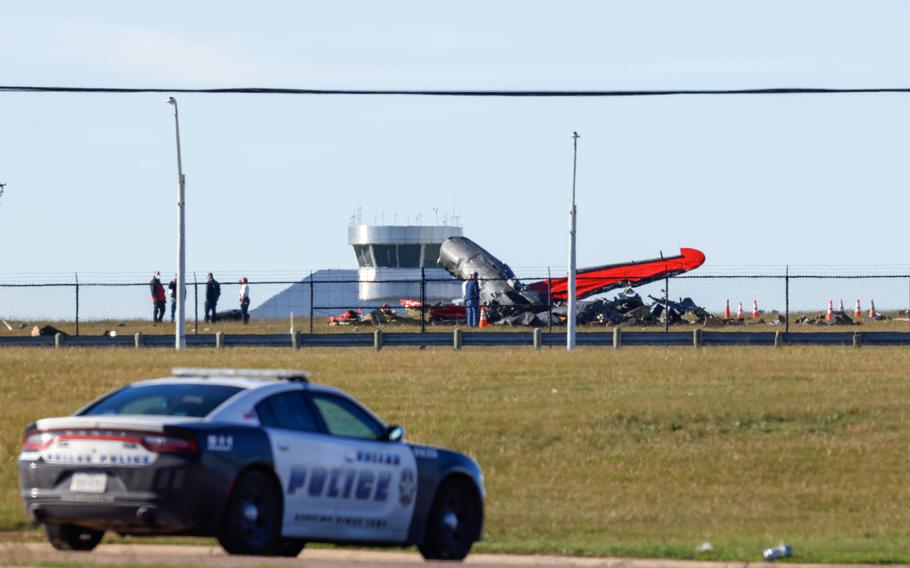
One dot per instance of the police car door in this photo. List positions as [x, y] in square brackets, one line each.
[302, 457]
[376, 500]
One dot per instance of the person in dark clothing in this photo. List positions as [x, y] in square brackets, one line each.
[245, 300]
[172, 292]
[472, 300]
[159, 301]
[212, 293]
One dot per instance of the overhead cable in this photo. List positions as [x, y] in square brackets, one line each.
[531, 93]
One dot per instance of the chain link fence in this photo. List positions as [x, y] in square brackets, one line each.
[337, 301]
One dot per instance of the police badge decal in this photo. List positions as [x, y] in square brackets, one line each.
[407, 487]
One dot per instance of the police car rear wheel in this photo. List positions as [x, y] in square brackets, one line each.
[454, 523]
[252, 523]
[72, 537]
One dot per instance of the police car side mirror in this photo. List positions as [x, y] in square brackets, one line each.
[394, 433]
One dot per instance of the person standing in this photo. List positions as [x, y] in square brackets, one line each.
[172, 292]
[212, 293]
[245, 300]
[472, 300]
[158, 298]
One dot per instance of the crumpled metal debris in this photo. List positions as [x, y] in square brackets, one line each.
[676, 310]
[628, 308]
[837, 318]
[377, 316]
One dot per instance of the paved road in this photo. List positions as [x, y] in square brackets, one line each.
[26, 554]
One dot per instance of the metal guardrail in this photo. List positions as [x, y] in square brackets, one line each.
[459, 339]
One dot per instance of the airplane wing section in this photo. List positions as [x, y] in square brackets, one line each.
[590, 281]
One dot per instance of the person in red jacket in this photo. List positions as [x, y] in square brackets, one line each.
[159, 300]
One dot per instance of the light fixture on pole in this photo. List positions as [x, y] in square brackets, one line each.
[570, 321]
[180, 321]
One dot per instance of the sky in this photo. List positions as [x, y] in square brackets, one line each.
[272, 181]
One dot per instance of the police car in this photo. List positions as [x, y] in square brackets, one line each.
[263, 460]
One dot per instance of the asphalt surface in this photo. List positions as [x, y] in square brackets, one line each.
[36, 554]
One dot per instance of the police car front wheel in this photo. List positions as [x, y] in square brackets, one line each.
[252, 522]
[290, 548]
[454, 522]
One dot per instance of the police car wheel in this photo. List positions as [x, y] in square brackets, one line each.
[72, 537]
[454, 523]
[290, 548]
[252, 522]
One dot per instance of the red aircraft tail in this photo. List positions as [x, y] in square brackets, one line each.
[590, 281]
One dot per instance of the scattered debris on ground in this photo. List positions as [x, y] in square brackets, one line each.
[46, 330]
[379, 316]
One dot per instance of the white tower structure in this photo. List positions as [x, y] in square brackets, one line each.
[390, 259]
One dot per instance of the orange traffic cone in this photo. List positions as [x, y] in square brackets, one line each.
[727, 310]
[739, 311]
[830, 315]
[755, 309]
[483, 317]
[872, 313]
[858, 312]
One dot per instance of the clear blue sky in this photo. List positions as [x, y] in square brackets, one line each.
[272, 181]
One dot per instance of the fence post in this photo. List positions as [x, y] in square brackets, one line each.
[667, 304]
[549, 301]
[537, 338]
[77, 303]
[778, 339]
[617, 337]
[195, 305]
[219, 340]
[295, 340]
[312, 295]
[456, 339]
[377, 340]
[787, 299]
[857, 339]
[423, 300]
[58, 340]
[137, 340]
[696, 337]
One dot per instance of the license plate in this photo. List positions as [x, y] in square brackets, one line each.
[88, 483]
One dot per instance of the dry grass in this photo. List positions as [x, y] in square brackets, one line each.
[645, 451]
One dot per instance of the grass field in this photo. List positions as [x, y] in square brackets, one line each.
[636, 452]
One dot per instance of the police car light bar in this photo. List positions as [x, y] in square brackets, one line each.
[276, 374]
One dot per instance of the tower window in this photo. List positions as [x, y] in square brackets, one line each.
[430, 255]
[364, 258]
[409, 256]
[386, 256]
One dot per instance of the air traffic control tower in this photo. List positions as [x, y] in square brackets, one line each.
[390, 259]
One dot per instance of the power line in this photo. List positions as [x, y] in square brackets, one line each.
[464, 93]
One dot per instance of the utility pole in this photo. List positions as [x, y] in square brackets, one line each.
[180, 323]
[570, 322]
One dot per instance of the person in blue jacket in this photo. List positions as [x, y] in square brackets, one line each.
[472, 300]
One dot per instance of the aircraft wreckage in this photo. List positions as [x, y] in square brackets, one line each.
[507, 300]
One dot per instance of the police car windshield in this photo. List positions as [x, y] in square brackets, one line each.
[163, 400]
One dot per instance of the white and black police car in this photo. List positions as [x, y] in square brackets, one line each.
[263, 460]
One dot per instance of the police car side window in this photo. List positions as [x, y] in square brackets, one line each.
[286, 410]
[344, 418]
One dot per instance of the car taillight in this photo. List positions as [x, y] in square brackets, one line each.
[35, 441]
[169, 444]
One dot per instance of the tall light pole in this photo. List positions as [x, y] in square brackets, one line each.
[180, 330]
[570, 322]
